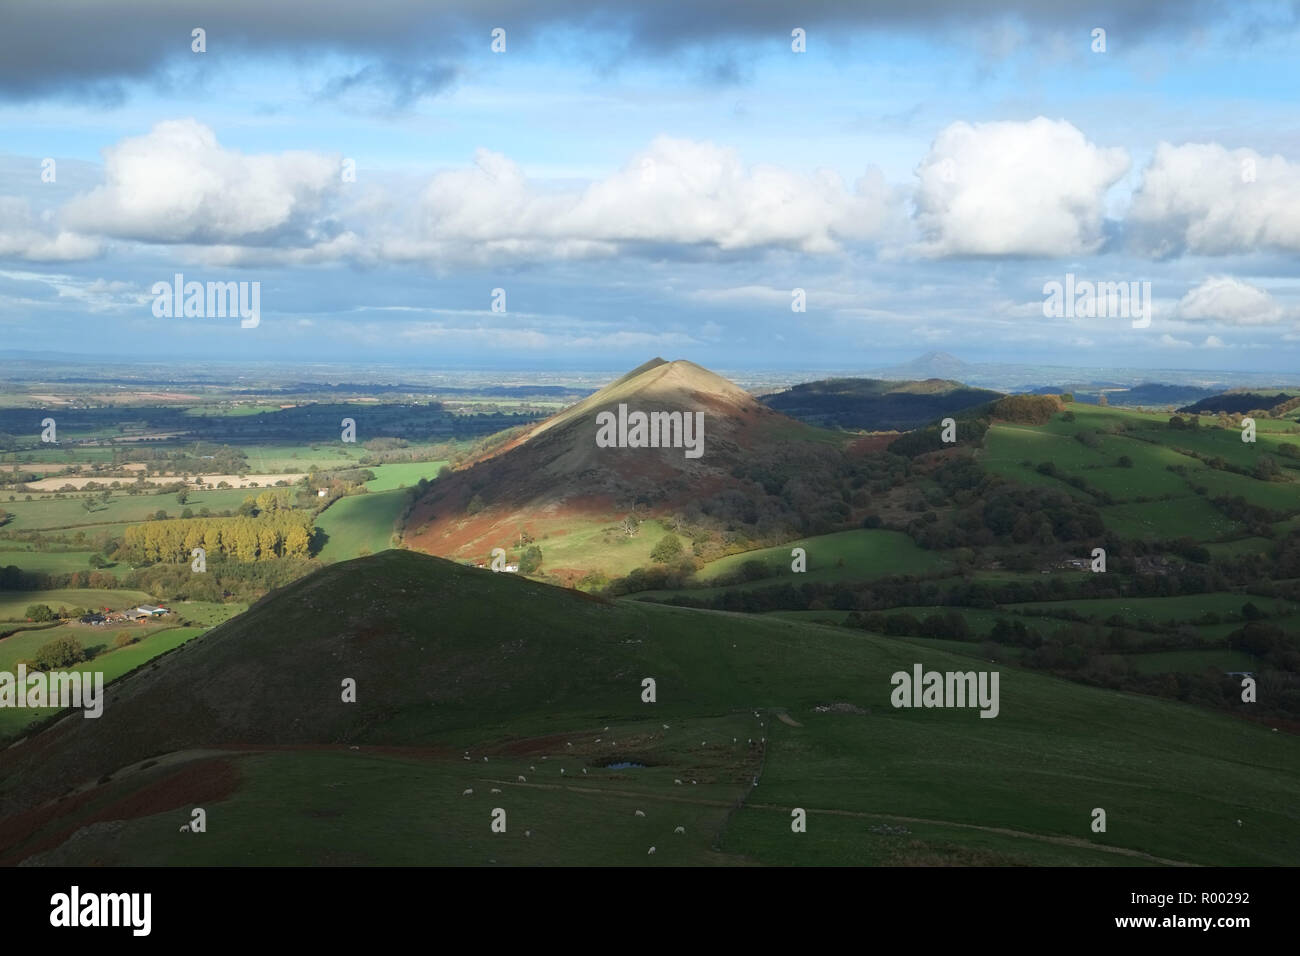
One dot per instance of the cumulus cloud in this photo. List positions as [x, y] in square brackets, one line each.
[1228, 301]
[26, 236]
[677, 193]
[177, 184]
[1032, 188]
[1205, 199]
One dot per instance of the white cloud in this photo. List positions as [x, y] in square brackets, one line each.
[178, 184]
[1213, 342]
[1169, 341]
[1205, 199]
[677, 192]
[1228, 301]
[1032, 188]
[25, 236]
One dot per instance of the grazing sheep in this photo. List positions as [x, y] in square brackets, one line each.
[693, 782]
[651, 853]
[485, 759]
[354, 747]
[568, 743]
[607, 728]
[185, 828]
[597, 740]
[751, 741]
[561, 771]
[464, 758]
[528, 833]
[521, 779]
[1238, 823]
[468, 793]
[678, 782]
[680, 830]
[703, 744]
[496, 789]
[756, 781]
[584, 771]
[762, 740]
[544, 757]
[733, 740]
[639, 813]
[665, 726]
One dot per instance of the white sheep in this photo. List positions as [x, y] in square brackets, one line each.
[568, 743]
[561, 771]
[533, 769]
[185, 828]
[496, 789]
[597, 740]
[528, 833]
[1238, 823]
[485, 759]
[584, 771]
[680, 830]
[464, 758]
[469, 792]
[606, 728]
[678, 782]
[665, 726]
[521, 779]
[639, 813]
[693, 782]
[652, 851]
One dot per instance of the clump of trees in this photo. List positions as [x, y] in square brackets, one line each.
[268, 535]
[1028, 409]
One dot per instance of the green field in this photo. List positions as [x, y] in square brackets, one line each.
[564, 692]
[14, 604]
[360, 524]
[56, 562]
[1161, 662]
[45, 511]
[1184, 608]
[597, 544]
[112, 662]
[841, 556]
[403, 475]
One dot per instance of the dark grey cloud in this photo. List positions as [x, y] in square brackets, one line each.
[92, 48]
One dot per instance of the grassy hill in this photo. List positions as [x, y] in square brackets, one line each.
[453, 665]
[876, 404]
[553, 480]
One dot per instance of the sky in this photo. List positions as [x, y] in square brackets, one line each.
[497, 184]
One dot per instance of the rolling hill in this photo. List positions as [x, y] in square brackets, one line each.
[554, 479]
[876, 404]
[478, 692]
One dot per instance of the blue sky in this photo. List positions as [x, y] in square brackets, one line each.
[655, 181]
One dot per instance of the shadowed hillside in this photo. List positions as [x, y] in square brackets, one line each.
[478, 690]
[876, 404]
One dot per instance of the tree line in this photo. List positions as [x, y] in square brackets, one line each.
[269, 535]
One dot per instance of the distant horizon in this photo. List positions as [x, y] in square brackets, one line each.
[364, 373]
